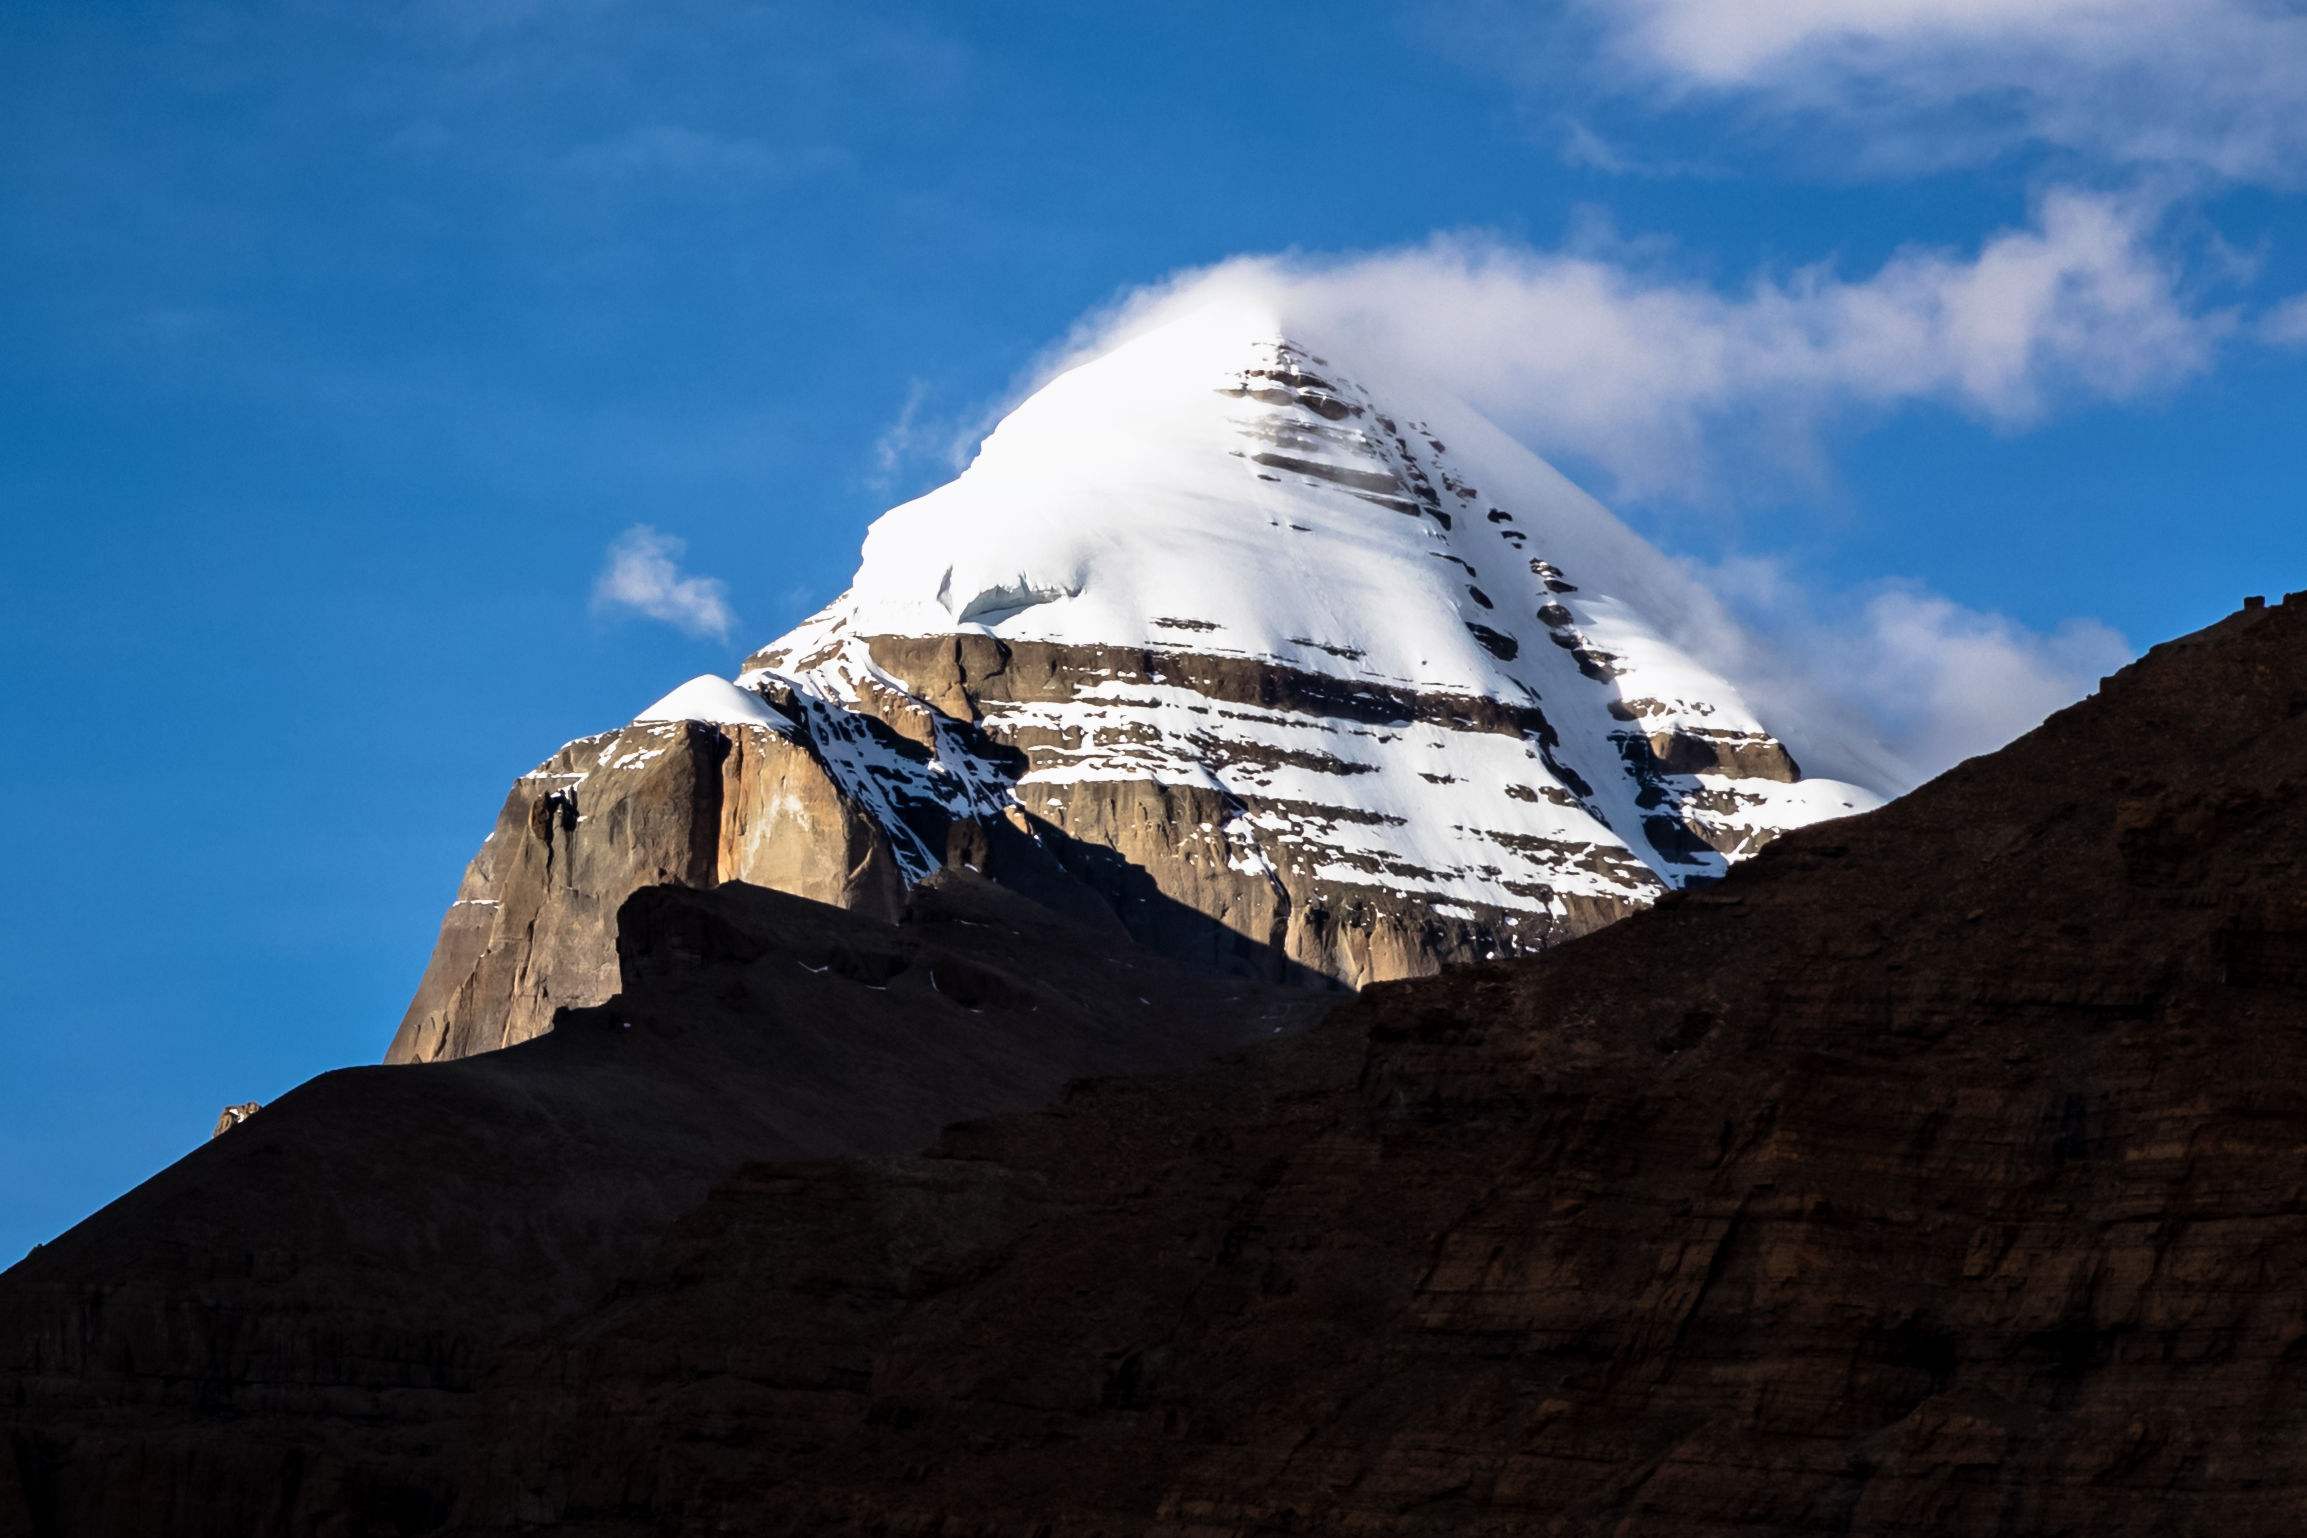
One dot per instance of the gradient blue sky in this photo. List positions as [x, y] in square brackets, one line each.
[341, 341]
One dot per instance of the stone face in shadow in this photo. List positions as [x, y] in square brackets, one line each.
[1937, 1171]
[355, 1258]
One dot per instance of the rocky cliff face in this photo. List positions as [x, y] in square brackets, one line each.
[1290, 674]
[723, 792]
[1937, 1171]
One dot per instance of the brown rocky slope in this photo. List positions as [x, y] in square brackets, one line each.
[1941, 1170]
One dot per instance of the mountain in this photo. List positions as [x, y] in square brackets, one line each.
[1936, 1171]
[1288, 672]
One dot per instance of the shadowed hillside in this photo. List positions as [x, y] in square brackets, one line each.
[1940, 1170]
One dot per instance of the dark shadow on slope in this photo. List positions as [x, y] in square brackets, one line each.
[1936, 1172]
[351, 1258]
[1060, 871]
[1096, 885]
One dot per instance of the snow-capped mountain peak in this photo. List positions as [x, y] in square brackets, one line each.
[1275, 664]
[1222, 494]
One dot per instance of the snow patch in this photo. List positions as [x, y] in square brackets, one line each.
[715, 701]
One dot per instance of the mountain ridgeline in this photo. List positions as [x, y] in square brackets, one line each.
[1274, 670]
[1936, 1171]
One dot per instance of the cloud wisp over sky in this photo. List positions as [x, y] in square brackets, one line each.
[1668, 385]
[643, 576]
[2213, 87]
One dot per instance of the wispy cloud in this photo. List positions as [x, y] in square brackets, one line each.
[1605, 355]
[2286, 324]
[1932, 680]
[901, 442]
[2210, 85]
[643, 576]
[1585, 146]
[1946, 681]
[920, 445]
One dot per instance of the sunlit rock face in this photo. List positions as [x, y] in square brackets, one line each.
[1286, 669]
[695, 803]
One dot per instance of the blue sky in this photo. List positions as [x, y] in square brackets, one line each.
[343, 341]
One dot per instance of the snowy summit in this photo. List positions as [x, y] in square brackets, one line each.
[1270, 663]
[1507, 726]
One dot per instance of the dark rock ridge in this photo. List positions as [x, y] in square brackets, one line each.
[1936, 1171]
[261, 1338]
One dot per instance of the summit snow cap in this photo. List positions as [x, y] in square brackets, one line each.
[1243, 567]
[1222, 484]
[716, 701]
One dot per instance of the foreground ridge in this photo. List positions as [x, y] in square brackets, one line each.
[1936, 1171]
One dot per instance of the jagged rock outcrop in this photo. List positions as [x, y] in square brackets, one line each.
[690, 802]
[1285, 676]
[233, 1115]
[1938, 1171]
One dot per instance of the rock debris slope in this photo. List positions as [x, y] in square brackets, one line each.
[1940, 1171]
[1289, 672]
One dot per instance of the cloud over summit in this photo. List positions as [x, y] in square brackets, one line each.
[1599, 355]
[1667, 384]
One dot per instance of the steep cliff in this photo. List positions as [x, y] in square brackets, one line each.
[709, 785]
[1293, 674]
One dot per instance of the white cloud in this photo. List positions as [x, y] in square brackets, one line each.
[910, 440]
[643, 576]
[1668, 385]
[1600, 353]
[1946, 682]
[920, 447]
[2286, 324]
[1931, 680]
[2213, 85]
